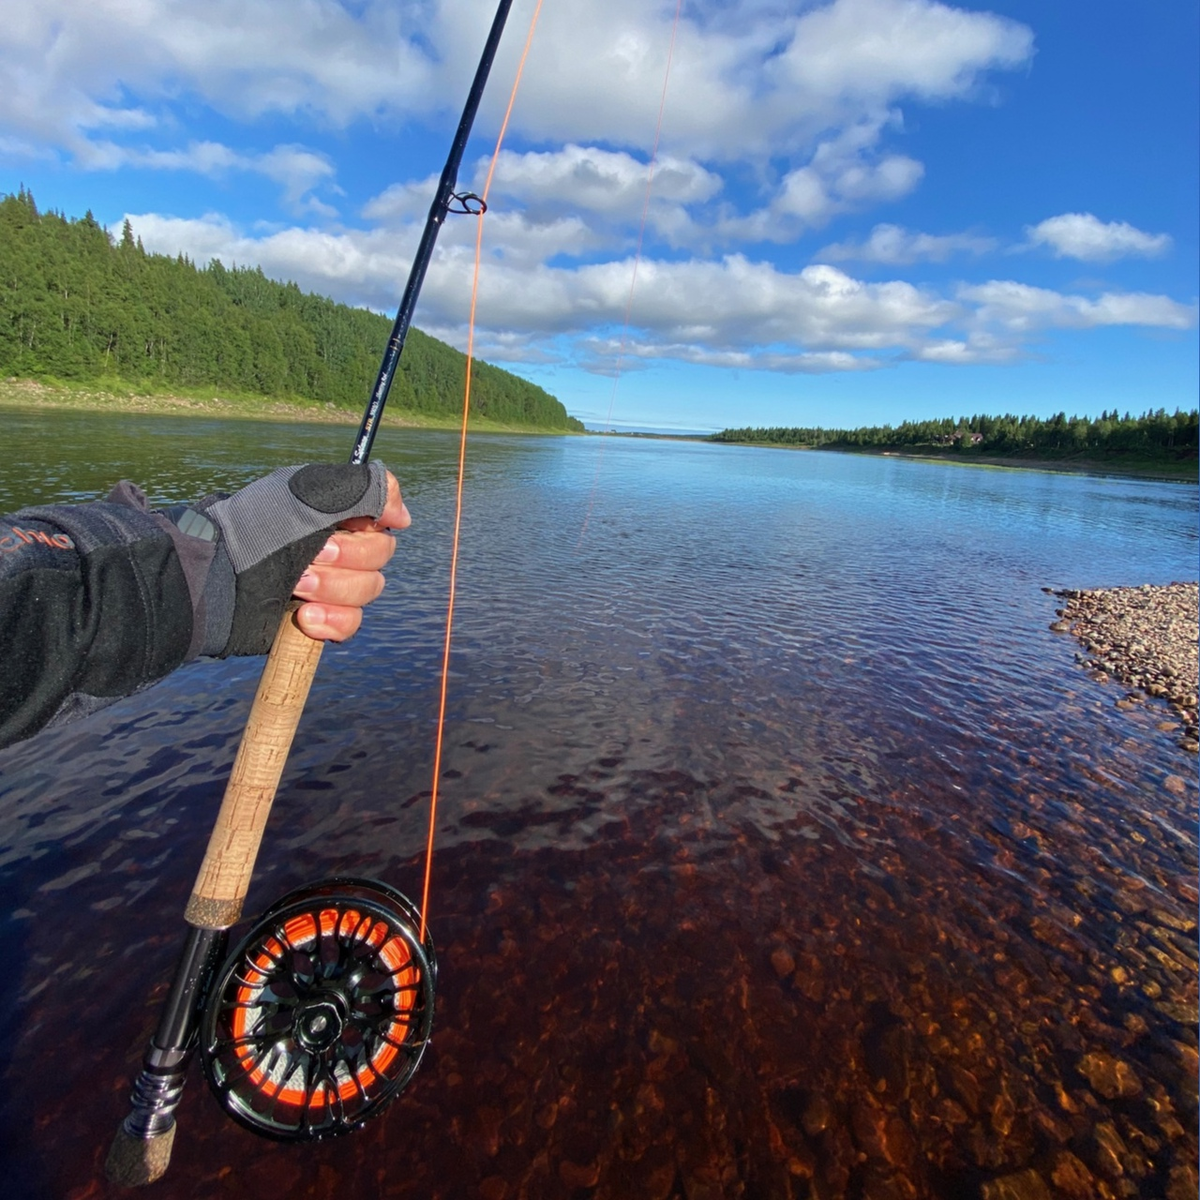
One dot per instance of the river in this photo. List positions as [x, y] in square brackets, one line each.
[783, 849]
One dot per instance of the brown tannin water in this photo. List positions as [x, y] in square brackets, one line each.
[783, 850]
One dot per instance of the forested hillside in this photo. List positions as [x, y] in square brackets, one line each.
[76, 305]
[1156, 434]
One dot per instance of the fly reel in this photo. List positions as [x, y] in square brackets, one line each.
[319, 1017]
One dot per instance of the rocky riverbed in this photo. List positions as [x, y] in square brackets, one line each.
[1145, 638]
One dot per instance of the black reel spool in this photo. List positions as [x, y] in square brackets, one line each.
[319, 1017]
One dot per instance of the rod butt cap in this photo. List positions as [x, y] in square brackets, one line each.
[134, 1161]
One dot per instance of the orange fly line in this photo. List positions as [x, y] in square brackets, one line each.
[458, 501]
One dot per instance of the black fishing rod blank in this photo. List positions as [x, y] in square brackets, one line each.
[320, 1016]
[443, 203]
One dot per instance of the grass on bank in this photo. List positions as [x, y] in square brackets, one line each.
[117, 396]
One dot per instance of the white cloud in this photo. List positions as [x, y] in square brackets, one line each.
[399, 202]
[518, 242]
[731, 312]
[880, 50]
[893, 245]
[844, 173]
[612, 183]
[295, 169]
[601, 357]
[1083, 236]
[1020, 308]
[727, 310]
[798, 103]
[768, 84]
[531, 190]
[76, 65]
[977, 347]
[357, 267]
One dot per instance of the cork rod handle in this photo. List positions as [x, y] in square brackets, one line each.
[224, 878]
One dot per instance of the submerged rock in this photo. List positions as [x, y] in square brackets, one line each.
[1111, 1077]
[1021, 1185]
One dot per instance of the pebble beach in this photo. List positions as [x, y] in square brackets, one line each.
[1146, 639]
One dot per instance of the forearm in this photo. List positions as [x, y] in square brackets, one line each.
[99, 600]
[94, 605]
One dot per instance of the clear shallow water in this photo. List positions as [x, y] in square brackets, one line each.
[783, 849]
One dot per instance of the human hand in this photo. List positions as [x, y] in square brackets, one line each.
[347, 573]
[270, 533]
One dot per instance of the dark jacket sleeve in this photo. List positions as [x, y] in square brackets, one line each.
[94, 605]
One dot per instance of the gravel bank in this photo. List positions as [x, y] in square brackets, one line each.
[1146, 638]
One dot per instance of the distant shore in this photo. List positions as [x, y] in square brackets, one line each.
[210, 402]
[1184, 472]
[1187, 471]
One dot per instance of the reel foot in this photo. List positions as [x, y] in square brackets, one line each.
[320, 1016]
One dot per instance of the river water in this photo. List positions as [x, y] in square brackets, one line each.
[783, 849]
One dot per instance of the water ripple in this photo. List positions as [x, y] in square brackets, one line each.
[766, 781]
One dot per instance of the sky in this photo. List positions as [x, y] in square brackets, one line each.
[860, 212]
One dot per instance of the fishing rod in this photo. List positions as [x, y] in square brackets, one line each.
[319, 1017]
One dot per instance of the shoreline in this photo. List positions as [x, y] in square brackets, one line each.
[1187, 473]
[1146, 639]
[1074, 466]
[31, 394]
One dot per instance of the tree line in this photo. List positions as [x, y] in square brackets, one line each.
[1155, 433]
[77, 304]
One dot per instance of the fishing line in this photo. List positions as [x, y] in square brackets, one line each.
[318, 1018]
[637, 258]
[462, 463]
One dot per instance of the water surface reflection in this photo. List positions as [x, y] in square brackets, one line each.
[784, 850]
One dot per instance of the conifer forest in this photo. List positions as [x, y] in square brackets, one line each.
[78, 305]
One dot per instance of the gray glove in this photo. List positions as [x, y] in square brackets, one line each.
[244, 554]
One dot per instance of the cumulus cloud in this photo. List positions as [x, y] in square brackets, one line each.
[73, 66]
[600, 181]
[720, 311]
[400, 202]
[360, 267]
[881, 49]
[602, 358]
[767, 84]
[977, 347]
[779, 117]
[1020, 308]
[295, 169]
[731, 312]
[605, 193]
[799, 103]
[1083, 236]
[893, 245]
[845, 173]
[687, 207]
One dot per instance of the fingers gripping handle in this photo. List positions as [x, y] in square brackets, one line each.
[221, 885]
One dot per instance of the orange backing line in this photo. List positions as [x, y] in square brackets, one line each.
[458, 501]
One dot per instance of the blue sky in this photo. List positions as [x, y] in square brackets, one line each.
[863, 210]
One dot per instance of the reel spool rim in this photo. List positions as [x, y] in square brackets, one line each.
[266, 957]
[354, 883]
